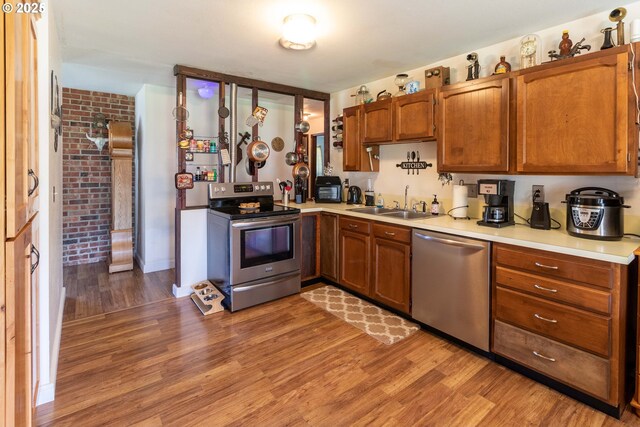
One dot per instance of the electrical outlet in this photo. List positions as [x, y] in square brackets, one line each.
[472, 190]
[537, 192]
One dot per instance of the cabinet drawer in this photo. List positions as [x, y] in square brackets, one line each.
[581, 296]
[576, 368]
[562, 266]
[566, 324]
[398, 234]
[355, 225]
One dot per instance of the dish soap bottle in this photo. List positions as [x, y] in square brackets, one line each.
[380, 201]
[435, 205]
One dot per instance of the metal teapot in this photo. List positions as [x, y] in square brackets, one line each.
[383, 95]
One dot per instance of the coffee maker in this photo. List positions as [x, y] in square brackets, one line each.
[498, 196]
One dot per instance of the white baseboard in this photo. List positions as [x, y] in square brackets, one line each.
[182, 291]
[150, 267]
[47, 392]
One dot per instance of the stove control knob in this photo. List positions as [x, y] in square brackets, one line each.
[268, 187]
[223, 189]
[262, 187]
[216, 189]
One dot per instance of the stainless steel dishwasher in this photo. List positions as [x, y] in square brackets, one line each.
[450, 285]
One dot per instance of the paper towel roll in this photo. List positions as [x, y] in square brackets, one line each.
[460, 201]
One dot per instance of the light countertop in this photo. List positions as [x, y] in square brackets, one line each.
[620, 252]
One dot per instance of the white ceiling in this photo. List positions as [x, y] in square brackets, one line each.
[118, 45]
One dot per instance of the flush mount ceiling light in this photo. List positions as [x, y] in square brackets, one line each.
[298, 32]
[206, 91]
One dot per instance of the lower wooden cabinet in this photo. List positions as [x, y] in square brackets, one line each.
[18, 380]
[329, 246]
[391, 266]
[310, 249]
[563, 316]
[355, 255]
[375, 261]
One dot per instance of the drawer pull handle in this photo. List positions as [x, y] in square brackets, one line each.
[550, 267]
[353, 225]
[542, 356]
[537, 316]
[389, 233]
[542, 288]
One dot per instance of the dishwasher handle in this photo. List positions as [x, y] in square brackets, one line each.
[449, 241]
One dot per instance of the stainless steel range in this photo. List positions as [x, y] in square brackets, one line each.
[253, 245]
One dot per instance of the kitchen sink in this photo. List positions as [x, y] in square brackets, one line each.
[408, 215]
[392, 213]
[373, 210]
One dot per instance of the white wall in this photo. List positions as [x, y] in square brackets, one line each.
[51, 291]
[155, 167]
[391, 180]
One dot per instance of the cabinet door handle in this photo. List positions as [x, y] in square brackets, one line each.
[36, 182]
[550, 267]
[353, 225]
[389, 233]
[34, 251]
[542, 288]
[537, 316]
[542, 356]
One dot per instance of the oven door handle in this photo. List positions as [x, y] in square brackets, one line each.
[266, 223]
[261, 284]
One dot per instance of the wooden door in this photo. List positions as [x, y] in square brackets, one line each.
[377, 122]
[391, 274]
[414, 116]
[3, 301]
[310, 262]
[32, 125]
[574, 118]
[355, 261]
[351, 145]
[34, 304]
[17, 121]
[329, 246]
[18, 330]
[473, 133]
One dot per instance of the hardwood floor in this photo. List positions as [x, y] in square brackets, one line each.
[91, 290]
[287, 362]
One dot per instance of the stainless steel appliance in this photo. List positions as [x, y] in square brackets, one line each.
[595, 213]
[450, 285]
[253, 251]
[498, 196]
[328, 189]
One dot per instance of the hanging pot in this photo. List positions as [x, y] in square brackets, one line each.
[303, 126]
[258, 151]
[301, 170]
[291, 158]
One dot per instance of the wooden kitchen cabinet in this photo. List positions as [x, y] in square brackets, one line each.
[552, 313]
[474, 126]
[576, 116]
[414, 116]
[377, 122]
[18, 379]
[354, 154]
[310, 249]
[355, 254]
[329, 259]
[391, 266]
[21, 124]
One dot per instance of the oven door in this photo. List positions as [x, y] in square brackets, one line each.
[264, 247]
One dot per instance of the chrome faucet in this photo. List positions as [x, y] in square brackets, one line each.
[406, 190]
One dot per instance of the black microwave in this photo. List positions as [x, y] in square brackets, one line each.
[328, 189]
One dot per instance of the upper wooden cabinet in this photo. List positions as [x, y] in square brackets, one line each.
[377, 122]
[473, 134]
[576, 117]
[414, 116]
[354, 153]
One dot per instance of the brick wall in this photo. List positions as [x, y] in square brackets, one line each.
[87, 174]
